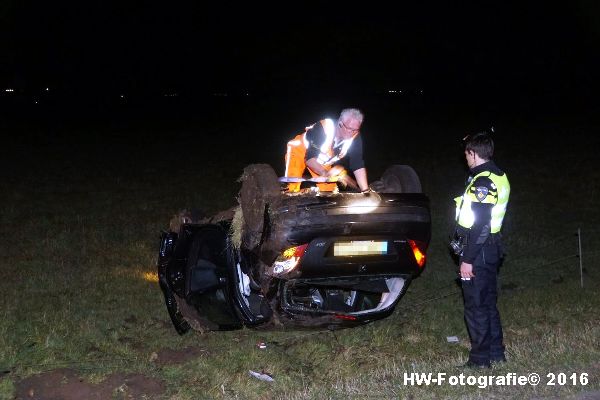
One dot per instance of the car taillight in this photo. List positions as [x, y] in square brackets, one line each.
[419, 255]
[288, 260]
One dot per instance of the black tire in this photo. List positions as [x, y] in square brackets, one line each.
[260, 188]
[400, 179]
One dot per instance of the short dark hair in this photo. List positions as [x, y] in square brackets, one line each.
[480, 143]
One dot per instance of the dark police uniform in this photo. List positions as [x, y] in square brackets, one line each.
[480, 212]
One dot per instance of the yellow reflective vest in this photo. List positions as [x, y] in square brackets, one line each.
[497, 195]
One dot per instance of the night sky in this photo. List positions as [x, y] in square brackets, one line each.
[497, 49]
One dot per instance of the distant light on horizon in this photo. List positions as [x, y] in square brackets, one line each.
[47, 89]
[9, 90]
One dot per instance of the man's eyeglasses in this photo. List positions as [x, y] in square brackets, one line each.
[353, 131]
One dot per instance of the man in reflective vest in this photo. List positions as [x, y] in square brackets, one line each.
[479, 215]
[321, 149]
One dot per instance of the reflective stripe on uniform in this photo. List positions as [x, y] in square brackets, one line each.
[329, 129]
[295, 163]
[292, 145]
[326, 157]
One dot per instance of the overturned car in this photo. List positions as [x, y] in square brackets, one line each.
[306, 259]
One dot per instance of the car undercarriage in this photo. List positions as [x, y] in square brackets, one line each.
[296, 260]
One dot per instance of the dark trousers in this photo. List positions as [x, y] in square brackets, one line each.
[481, 314]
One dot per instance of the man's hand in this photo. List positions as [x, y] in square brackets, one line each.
[339, 174]
[361, 178]
[317, 168]
[466, 270]
[346, 180]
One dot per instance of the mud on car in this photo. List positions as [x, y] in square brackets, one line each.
[304, 259]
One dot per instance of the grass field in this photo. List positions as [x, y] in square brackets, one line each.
[82, 206]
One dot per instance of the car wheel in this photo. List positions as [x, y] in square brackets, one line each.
[260, 188]
[400, 179]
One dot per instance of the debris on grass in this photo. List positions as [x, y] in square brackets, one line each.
[452, 339]
[261, 376]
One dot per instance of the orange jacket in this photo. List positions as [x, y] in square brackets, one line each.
[295, 157]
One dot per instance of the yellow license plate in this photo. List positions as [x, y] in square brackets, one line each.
[360, 248]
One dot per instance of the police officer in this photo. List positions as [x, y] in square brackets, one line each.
[479, 214]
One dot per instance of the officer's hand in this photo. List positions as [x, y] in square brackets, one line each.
[466, 271]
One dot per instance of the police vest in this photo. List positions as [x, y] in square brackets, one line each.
[497, 195]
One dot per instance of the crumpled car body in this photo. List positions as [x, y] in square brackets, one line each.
[324, 260]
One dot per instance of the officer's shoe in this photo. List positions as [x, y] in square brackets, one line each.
[473, 365]
[498, 361]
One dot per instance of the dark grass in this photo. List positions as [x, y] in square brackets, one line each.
[84, 199]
